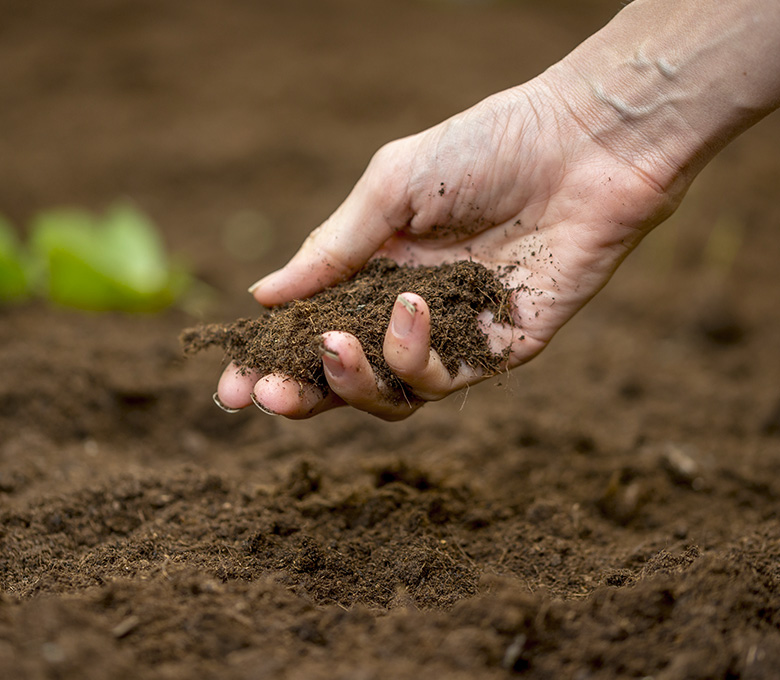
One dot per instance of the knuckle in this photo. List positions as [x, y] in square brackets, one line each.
[386, 176]
[430, 395]
[386, 155]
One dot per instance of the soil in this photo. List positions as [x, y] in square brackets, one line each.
[288, 338]
[610, 510]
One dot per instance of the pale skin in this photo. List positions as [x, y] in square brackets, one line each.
[557, 179]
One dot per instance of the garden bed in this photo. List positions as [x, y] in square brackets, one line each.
[609, 510]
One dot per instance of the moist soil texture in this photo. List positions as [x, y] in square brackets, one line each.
[609, 510]
[288, 338]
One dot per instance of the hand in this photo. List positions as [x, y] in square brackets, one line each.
[516, 183]
[557, 180]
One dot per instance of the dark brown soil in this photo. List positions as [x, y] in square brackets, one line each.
[610, 510]
[287, 339]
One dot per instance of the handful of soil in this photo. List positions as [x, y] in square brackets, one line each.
[286, 339]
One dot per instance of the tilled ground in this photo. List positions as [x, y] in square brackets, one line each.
[609, 510]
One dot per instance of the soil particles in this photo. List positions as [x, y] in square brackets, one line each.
[609, 510]
[287, 339]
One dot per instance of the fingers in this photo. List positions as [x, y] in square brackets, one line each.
[349, 374]
[280, 395]
[373, 211]
[234, 388]
[407, 350]
[273, 394]
[351, 377]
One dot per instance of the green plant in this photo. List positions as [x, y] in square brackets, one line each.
[13, 265]
[116, 261]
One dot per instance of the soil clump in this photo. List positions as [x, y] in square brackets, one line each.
[287, 339]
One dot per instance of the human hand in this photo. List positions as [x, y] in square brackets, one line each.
[551, 183]
[515, 183]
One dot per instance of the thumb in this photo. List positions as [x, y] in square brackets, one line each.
[375, 209]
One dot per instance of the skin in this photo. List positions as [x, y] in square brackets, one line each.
[558, 178]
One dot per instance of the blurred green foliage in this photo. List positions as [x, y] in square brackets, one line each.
[13, 268]
[115, 261]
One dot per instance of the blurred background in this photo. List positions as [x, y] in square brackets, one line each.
[240, 125]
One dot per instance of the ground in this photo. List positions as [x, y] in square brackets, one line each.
[609, 510]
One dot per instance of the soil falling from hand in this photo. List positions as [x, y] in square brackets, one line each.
[287, 339]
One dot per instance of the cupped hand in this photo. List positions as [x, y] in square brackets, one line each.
[517, 183]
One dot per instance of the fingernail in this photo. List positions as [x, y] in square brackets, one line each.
[331, 360]
[257, 284]
[257, 403]
[403, 316]
[226, 409]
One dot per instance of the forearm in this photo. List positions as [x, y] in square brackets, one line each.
[668, 83]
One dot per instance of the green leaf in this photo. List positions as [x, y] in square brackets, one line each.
[13, 278]
[116, 262]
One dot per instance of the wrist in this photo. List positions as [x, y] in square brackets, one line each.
[665, 85]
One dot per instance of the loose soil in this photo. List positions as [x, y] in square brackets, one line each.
[288, 338]
[610, 510]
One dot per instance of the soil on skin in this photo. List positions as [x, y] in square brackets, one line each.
[609, 510]
[287, 339]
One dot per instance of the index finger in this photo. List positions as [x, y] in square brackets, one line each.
[375, 209]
